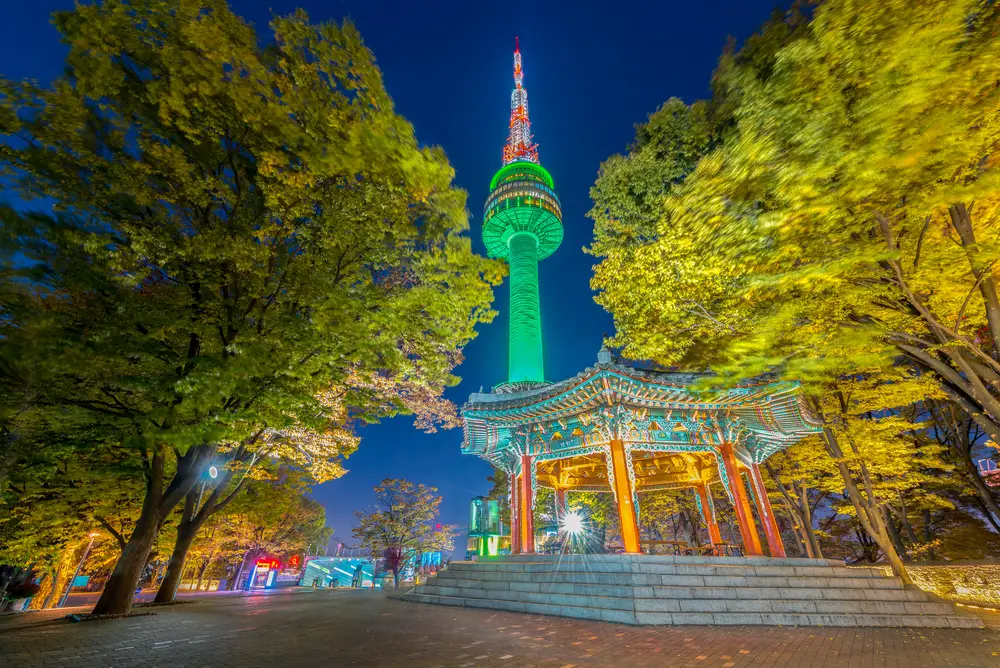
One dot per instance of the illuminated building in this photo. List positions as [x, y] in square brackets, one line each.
[522, 223]
[612, 428]
[485, 528]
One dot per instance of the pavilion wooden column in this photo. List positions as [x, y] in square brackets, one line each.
[627, 512]
[774, 544]
[526, 506]
[561, 510]
[714, 535]
[744, 516]
[515, 516]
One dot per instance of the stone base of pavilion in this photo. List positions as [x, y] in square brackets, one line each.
[668, 590]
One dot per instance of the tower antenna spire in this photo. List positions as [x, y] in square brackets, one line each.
[519, 146]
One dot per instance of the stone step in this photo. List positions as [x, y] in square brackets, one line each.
[859, 619]
[690, 590]
[661, 591]
[508, 560]
[726, 602]
[488, 570]
[675, 580]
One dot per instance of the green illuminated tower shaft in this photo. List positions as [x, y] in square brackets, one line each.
[526, 361]
[522, 224]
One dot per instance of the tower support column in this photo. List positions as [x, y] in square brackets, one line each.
[628, 514]
[744, 516]
[525, 361]
[526, 506]
[771, 531]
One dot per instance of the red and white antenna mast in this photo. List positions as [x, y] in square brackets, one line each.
[519, 146]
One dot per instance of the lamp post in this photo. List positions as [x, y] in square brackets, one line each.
[78, 567]
[213, 473]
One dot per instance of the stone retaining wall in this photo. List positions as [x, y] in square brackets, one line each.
[967, 582]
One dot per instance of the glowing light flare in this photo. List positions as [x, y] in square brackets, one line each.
[572, 523]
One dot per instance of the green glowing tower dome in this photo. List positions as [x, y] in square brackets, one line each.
[522, 224]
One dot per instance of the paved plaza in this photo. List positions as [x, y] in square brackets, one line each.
[365, 628]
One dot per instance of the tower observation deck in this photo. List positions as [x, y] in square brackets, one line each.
[522, 224]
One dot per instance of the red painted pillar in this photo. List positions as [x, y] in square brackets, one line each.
[771, 531]
[706, 510]
[527, 507]
[515, 516]
[561, 508]
[744, 517]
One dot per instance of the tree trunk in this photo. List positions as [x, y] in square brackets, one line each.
[157, 574]
[116, 599]
[905, 521]
[867, 509]
[175, 567]
[695, 538]
[982, 490]
[897, 540]
[798, 506]
[928, 535]
[800, 544]
[962, 221]
[201, 574]
[119, 591]
[191, 522]
[239, 572]
[395, 577]
[807, 529]
[53, 590]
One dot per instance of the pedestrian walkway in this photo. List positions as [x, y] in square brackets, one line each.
[344, 628]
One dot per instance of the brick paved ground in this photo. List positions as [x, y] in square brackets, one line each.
[363, 628]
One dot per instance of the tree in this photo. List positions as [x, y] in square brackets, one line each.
[829, 235]
[803, 478]
[402, 525]
[960, 432]
[272, 514]
[236, 231]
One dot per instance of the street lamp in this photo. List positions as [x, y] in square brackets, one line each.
[86, 552]
[213, 473]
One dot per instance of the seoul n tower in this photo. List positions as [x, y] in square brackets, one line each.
[522, 224]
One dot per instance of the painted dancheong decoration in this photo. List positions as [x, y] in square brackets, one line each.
[614, 427]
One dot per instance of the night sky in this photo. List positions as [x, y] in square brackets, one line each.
[592, 69]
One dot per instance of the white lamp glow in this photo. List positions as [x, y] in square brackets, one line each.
[572, 523]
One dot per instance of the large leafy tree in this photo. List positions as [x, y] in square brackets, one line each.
[845, 222]
[403, 524]
[234, 231]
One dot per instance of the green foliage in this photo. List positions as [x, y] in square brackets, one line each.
[402, 524]
[840, 229]
[272, 514]
[235, 250]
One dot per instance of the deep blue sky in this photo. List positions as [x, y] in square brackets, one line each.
[592, 68]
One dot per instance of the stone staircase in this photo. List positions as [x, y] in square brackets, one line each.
[645, 589]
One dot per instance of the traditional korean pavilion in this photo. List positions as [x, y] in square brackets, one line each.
[613, 427]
